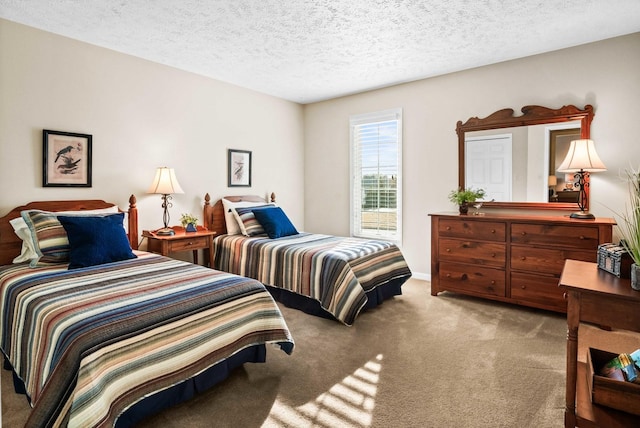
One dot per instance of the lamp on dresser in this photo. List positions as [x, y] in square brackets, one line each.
[552, 183]
[165, 183]
[581, 160]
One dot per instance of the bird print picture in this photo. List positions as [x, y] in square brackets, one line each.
[67, 159]
[68, 163]
[239, 168]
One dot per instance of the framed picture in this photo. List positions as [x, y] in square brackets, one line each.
[66, 159]
[239, 168]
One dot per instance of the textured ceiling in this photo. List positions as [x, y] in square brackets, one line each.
[311, 50]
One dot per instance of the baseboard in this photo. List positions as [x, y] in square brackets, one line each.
[421, 276]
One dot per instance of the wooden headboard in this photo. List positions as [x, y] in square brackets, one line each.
[10, 244]
[214, 214]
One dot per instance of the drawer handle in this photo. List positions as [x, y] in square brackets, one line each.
[189, 243]
[493, 231]
[448, 275]
[523, 233]
[524, 287]
[448, 227]
[523, 258]
[493, 255]
[448, 250]
[582, 237]
[493, 282]
[464, 277]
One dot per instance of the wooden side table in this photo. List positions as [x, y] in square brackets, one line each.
[202, 239]
[597, 297]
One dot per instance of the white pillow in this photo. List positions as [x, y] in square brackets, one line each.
[233, 228]
[21, 229]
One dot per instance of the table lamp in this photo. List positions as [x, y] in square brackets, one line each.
[581, 160]
[552, 182]
[165, 183]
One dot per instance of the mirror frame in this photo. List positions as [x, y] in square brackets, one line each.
[531, 115]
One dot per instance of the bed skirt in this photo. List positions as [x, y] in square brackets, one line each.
[180, 392]
[311, 306]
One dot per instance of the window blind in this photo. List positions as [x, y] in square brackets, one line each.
[376, 175]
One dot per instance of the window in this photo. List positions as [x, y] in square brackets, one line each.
[376, 175]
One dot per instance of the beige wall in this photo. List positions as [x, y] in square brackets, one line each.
[604, 74]
[142, 115]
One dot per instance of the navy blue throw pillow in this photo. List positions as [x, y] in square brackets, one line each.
[95, 240]
[275, 222]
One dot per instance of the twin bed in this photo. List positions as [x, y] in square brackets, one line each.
[97, 333]
[110, 343]
[324, 275]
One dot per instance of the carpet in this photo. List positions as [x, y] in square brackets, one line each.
[415, 361]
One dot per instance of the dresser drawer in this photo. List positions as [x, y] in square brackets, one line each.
[194, 243]
[463, 251]
[474, 279]
[481, 230]
[539, 289]
[546, 260]
[556, 235]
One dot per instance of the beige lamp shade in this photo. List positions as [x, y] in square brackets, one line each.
[582, 159]
[582, 156]
[165, 182]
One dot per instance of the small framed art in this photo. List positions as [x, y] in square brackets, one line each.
[239, 168]
[66, 159]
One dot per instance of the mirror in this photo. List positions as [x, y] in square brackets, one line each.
[530, 146]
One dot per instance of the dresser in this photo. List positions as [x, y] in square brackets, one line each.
[511, 258]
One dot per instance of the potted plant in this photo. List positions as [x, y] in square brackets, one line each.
[189, 222]
[629, 225]
[464, 197]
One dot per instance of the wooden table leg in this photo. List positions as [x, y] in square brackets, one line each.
[208, 253]
[573, 323]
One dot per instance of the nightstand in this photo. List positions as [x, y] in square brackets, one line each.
[600, 298]
[182, 241]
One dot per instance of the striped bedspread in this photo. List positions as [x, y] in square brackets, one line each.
[335, 271]
[89, 343]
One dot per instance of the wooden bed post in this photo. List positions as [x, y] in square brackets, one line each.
[207, 213]
[133, 222]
